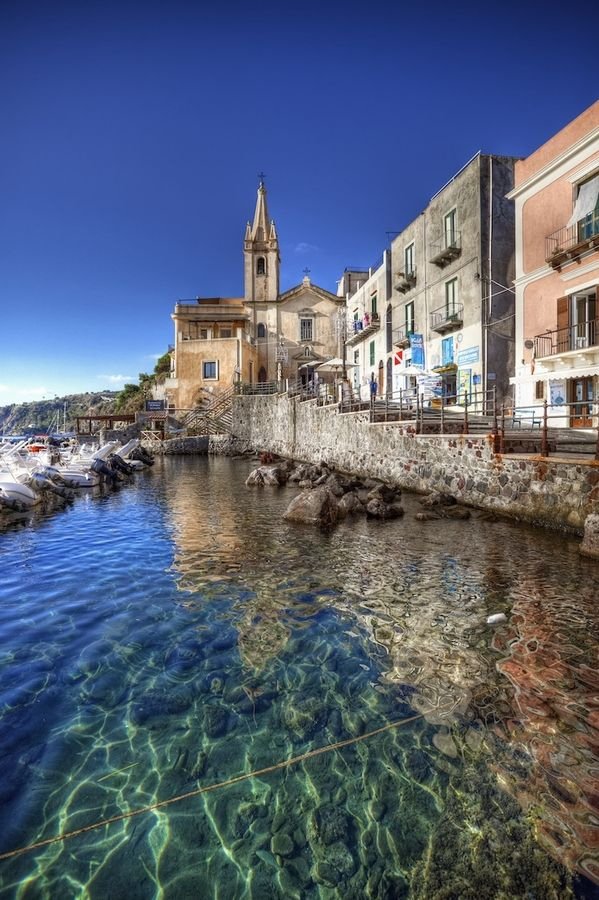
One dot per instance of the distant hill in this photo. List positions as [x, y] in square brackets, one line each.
[58, 414]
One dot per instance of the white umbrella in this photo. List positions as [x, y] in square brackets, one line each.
[334, 365]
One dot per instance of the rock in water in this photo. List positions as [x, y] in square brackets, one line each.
[315, 507]
[590, 541]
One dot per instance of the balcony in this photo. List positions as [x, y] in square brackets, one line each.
[402, 336]
[446, 250]
[571, 241]
[447, 318]
[405, 281]
[362, 328]
[566, 340]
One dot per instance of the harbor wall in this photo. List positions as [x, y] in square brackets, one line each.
[558, 493]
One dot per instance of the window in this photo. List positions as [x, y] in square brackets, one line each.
[306, 329]
[373, 309]
[451, 297]
[585, 217]
[371, 348]
[203, 334]
[261, 330]
[409, 318]
[447, 351]
[226, 332]
[261, 266]
[308, 351]
[450, 228]
[210, 370]
[539, 390]
[356, 357]
[409, 260]
[389, 328]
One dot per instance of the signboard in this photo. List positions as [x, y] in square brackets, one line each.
[154, 405]
[417, 345]
[468, 356]
[463, 383]
[557, 393]
[398, 357]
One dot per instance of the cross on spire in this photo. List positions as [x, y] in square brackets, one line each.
[306, 271]
[261, 176]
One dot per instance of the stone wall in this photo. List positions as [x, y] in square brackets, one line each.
[552, 492]
[182, 446]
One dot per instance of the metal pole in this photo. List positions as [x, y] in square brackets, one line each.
[495, 426]
[544, 441]
[502, 440]
[442, 427]
[465, 412]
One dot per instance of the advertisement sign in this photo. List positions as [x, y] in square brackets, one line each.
[468, 356]
[464, 383]
[154, 405]
[557, 393]
[417, 345]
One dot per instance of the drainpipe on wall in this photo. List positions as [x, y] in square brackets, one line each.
[488, 300]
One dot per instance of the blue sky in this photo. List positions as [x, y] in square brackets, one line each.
[132, 135]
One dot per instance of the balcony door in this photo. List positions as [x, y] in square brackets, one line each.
[582, 318]
[581, 395]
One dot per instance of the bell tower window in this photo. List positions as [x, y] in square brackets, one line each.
[261, 266]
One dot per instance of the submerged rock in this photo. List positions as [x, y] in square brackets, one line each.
[590, 542]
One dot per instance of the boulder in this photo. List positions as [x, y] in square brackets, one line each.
[271, 475]
[590, 541]
[337, 484]
[436, 499]
[384, 492]
[453, 512]
[316, 507]
[378, 509]
[350, 505]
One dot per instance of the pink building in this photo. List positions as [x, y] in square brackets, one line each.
[557, 274]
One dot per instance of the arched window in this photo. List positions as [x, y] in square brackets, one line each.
[261, 266]
[389, 328]
[262, 375]
[261, 330]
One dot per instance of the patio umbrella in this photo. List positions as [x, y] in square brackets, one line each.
[334, 365]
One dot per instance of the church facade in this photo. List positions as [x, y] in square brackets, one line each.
[264, 336]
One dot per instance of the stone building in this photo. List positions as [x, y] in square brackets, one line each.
[264, 336]
[453, 300]
[556, 198]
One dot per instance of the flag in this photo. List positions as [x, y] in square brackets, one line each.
[398, 357]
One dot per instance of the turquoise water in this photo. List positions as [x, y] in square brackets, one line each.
[178, 633]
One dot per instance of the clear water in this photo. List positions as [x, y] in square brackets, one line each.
[178, 633]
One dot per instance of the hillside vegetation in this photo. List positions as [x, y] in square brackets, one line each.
[59, 413]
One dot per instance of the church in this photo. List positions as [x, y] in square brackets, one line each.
[263, 336]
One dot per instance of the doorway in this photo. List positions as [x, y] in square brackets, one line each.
[581, 395]
[381, 378]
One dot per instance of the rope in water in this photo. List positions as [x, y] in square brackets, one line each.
[208, 788]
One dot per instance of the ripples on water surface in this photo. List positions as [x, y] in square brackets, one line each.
[179, 632]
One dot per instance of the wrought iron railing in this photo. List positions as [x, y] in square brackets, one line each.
[402, 336]
[570, 236]
[563, 340]
[447, 315]
[448, 248]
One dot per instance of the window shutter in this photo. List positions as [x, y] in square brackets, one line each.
[562, 313]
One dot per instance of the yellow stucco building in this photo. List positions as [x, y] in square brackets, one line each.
[264, 336]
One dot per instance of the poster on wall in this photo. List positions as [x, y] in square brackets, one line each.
[557, 393]
[417, 345]
[464, 383]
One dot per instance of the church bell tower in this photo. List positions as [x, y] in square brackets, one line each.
[261, 255]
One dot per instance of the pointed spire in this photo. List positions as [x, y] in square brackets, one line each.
[273, 232]
[248, 232]
[261, 224]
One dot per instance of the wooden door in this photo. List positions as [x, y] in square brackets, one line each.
[581, 394]
[381, 379]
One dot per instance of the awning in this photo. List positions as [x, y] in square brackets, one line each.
[564, 374]
[586, 201]
[445, 370]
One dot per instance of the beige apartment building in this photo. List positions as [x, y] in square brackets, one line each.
[264, 336]
[556, 195]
